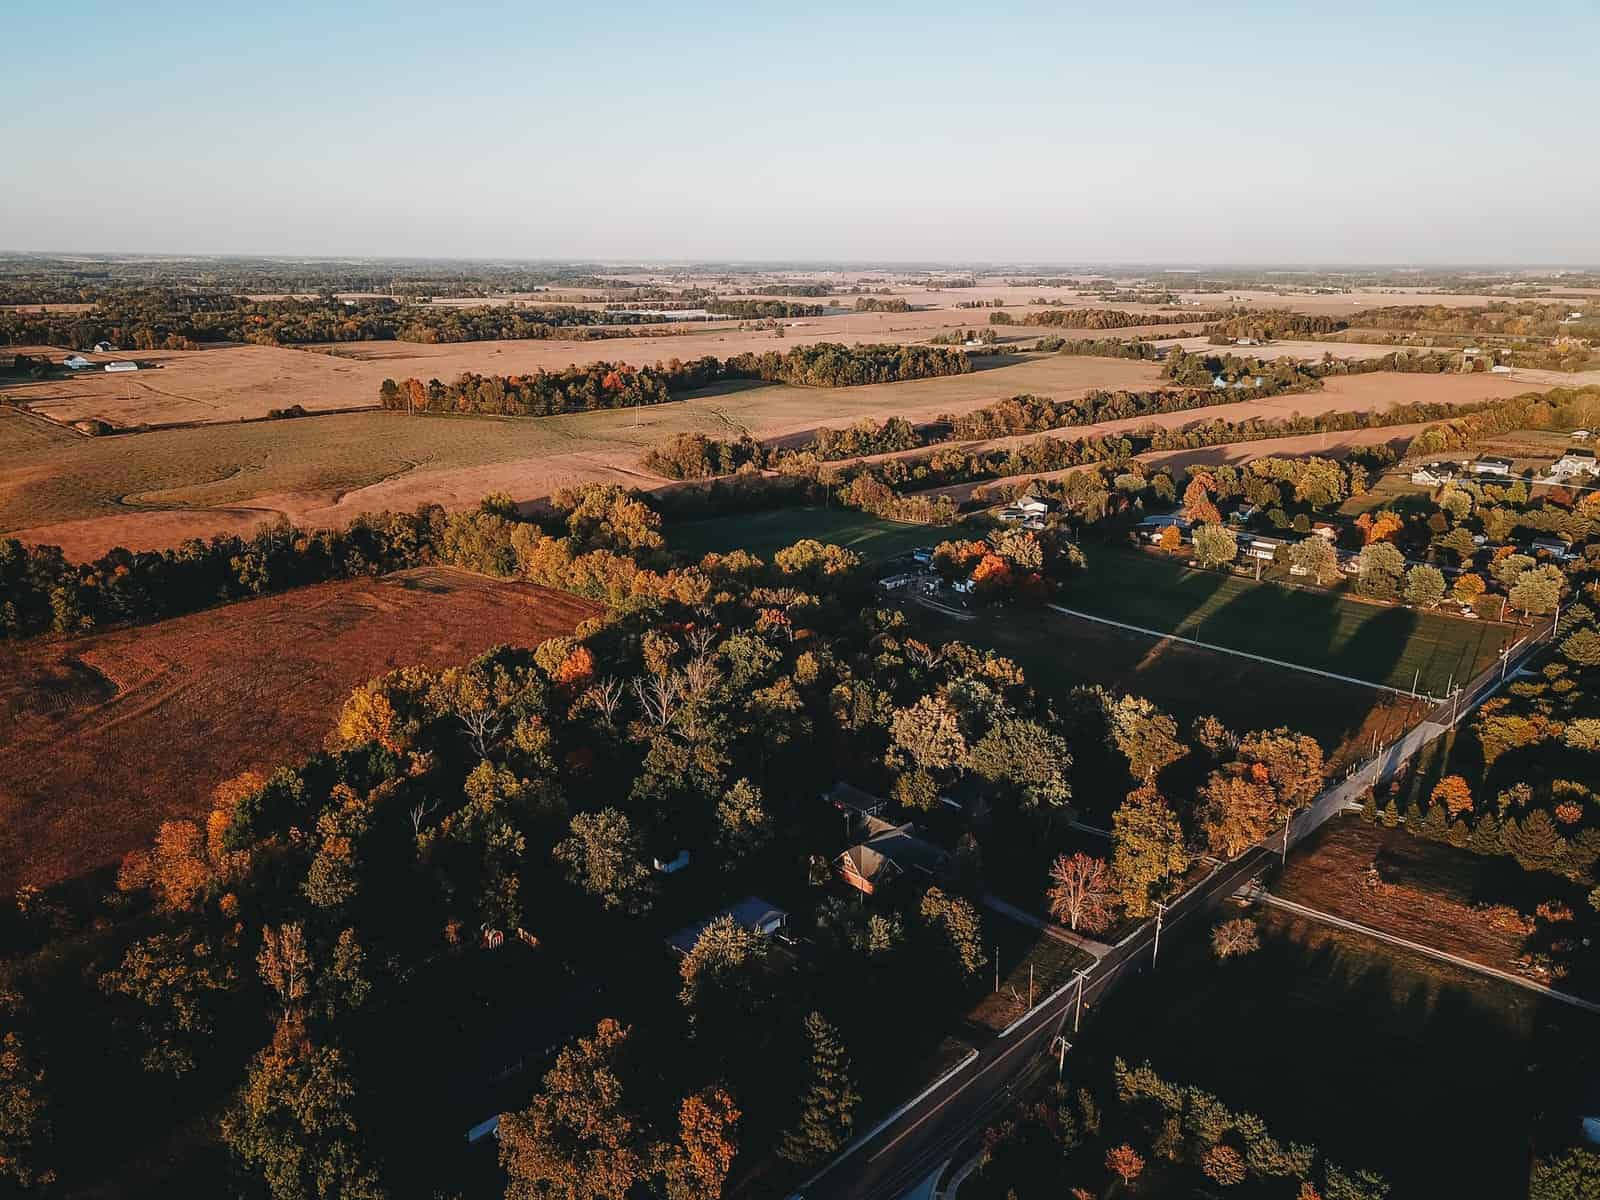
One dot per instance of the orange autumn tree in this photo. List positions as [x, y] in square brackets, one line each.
[1125, 1163]
[183, 863]
[698, 1165]
[1454, 793]
[1197, 503]
[1170, 538]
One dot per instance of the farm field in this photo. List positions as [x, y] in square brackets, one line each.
[88, 495]
[1379, 644]
[105, 736]
[1380, 1058]
[1059, 652]
[1427, 892]
[761, 533]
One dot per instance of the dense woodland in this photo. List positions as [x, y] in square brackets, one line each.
[618, 385]
[1094, 318]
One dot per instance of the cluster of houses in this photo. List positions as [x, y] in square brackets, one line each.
[1028, 511]
[1575, 463]
[77, 362]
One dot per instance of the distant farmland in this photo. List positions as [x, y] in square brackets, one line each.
[106, 736]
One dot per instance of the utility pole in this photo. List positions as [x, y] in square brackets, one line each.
[1286, 820]
[1415, 679]
[997, 968]
[1505, 661]
[1161, 911]
[1030, 987]
[1078, 1015]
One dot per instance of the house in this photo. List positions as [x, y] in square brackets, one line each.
[853, 802]
[1574, 462]
[104, 348]
[753, 913]
[122, 366]
[1434, 474]
[671, 866]
[1264, 548]
[1554, 547]
[1580, 435]
[1328, 533]
[923, 555]
[1490, 464]
[1153, 527]
[889, 853]
[76, 362]
[1471, 352]
[1500, 369]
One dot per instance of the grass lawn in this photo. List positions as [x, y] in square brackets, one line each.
[1316, 629]
[1431, 1075]
[761, 533]
[1020, 948]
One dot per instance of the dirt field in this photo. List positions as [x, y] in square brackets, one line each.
[88, 494]
[106, 736]
[1427, 892]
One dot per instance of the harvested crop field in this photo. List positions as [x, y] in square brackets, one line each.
[106, 736]
[1467, 904]
[89, 494]
[223, 383]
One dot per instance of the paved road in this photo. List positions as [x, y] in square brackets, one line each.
[900, 1154]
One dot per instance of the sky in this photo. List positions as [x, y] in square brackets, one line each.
[1420, 132]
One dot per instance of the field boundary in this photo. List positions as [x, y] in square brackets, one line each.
[1316, 914]
[1261, 658]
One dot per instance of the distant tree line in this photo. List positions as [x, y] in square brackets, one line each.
[875, 304]
[1134, 348]
[604, 385]
[1093, 318]
[1271, 324]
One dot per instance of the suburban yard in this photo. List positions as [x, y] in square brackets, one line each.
[1020, 949]
[106, 736]
[1430, 893]
[1380, 1058]
[1375, 643]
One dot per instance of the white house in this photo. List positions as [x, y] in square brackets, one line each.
[1574, 463]
[1434, 474]
[1490, 464]
[1500, 369]
[1580, 435]
[1264, 548]
[1153, 527]
[76, 362]
[104, 348]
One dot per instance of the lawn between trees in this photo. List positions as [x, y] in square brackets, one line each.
[762, 533]
[1380, 644]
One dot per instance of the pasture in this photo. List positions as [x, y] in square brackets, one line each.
[1377, 643]
[1380, 1058]
[762, 533]
[106, 736]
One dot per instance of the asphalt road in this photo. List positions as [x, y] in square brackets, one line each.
[924, 1136]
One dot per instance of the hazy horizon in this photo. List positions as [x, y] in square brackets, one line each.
[1238, 134]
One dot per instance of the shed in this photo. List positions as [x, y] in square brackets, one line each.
[753, 913]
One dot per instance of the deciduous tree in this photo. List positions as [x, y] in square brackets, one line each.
[1082, 892]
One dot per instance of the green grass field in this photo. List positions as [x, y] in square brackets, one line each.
[1385, 645]
[763, 532]
[1380, 1058]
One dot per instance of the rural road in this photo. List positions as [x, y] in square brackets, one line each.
[896, 1157]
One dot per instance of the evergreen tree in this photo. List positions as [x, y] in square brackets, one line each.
[827, 1111]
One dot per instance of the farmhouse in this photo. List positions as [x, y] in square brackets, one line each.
[76, 362]
[1572, 463]
[1434, 474]
[753, 913]
[1328, 533]
[1490, 464]
[891, 852]
[1264, 548]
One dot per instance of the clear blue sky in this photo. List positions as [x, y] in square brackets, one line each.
[1396, 132]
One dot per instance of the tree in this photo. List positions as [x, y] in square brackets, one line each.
[1026, 756]
[285, 963]
[744, 827]
[1381, 566]
[292, 1123]
[578, 1138]
[1424, 586]
[724, 977]
[1149, 850]
[177, 982]
[1125, 1163]
[1292, 763]
[604, 856]
[1197, 503]
[1468, 587]
[1454, 793]
[960, 929]
[1581, 648]
[1170, 540]
[1537, 591]
[24, 1119]
[827, 1109]
[1147, 736]
[1223, 1164]
[1214, 545]
[698, 1165]
[1233, 938]
[1316, 558]
[1082, 891]
[929, 734]
[1573, 1175]
[1236, 812]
